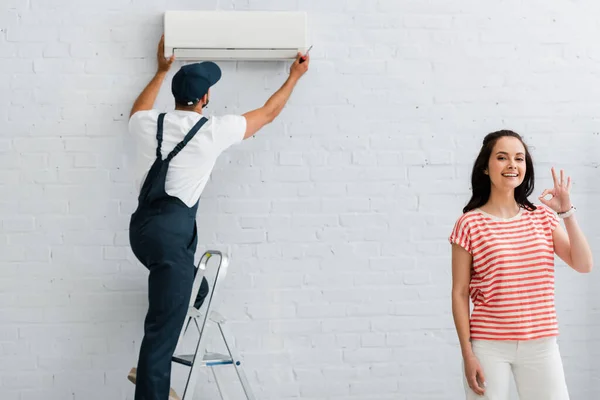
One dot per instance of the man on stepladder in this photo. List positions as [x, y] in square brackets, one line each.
[176, 154]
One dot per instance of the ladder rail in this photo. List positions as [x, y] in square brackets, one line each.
[219, 388]
[236, 362]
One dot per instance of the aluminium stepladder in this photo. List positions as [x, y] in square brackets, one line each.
[200, 357]
[202, 320]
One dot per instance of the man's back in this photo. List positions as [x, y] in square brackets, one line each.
[188, 172]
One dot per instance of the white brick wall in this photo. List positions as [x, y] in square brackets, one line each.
[336, 216]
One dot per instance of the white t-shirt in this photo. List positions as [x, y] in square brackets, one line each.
[189, 170]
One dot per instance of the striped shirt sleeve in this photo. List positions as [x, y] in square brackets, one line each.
[461, 234]
[550, 216]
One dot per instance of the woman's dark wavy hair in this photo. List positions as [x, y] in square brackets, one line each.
[481, 183]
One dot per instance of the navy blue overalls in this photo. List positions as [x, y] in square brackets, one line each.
[163, 237]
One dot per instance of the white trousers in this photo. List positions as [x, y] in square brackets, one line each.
[536, 366]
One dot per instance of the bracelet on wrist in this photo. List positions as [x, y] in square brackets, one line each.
[567, 214]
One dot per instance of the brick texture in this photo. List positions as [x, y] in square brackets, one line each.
[335, 216]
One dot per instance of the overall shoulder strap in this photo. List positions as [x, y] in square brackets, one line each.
[159, 133]
[187, 138]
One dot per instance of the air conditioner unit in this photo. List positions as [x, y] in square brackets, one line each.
[234, 35]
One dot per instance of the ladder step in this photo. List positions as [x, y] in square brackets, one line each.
[214, 316]
[209, 359]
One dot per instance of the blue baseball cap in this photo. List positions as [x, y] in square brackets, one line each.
[192, 81]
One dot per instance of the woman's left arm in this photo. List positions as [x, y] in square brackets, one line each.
[570, 245]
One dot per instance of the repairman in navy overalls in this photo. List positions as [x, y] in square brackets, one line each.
[176, 152]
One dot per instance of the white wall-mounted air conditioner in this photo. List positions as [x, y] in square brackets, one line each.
[234, 35]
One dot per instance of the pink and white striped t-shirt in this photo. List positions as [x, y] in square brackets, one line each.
[512, 276]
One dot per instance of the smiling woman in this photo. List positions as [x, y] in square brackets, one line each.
[502, 155]
[503, 250]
